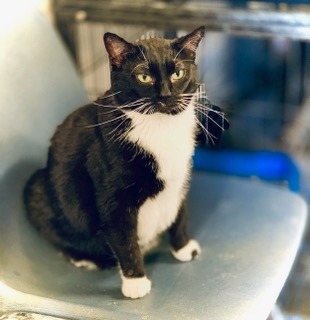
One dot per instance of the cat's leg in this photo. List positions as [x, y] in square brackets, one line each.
[183, 247]
[125, 246]
[91, 262]
[97, 256]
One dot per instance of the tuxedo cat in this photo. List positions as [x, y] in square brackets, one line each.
[118, 169]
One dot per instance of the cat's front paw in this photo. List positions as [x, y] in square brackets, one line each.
[189, 252]
[135, 288]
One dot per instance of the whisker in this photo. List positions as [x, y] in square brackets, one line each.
[149, 108]
[119, 107]
[113, 132]
[130, 105]
[105, 122]
[206, 132]
[144, 56]
[181, 107]
[108, 112]
[140, 103]
[209, 118]
[180, 61]
[138, 109]
[110, 95]
[127, 105]
[207, 108]
[144, 65]
[187, 99]
[206, 111]
[191, 45]
[108, 106]
[188, 94]
[178, 53]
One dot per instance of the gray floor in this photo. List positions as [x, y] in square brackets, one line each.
[295, 298]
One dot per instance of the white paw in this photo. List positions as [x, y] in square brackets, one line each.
[188, 252]
[86, 264]
[136, 287]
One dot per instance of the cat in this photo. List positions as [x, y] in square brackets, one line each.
[118, 169]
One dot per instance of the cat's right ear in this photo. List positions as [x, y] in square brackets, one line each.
[117, 48]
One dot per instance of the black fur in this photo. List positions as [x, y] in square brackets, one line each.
[86, 200]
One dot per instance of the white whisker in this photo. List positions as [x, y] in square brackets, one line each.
[205, 131]
[180, 61]
[191, 45]
[113, 132]
[137, 103]
[209, 118]
[188, 94]
[205, 111]
[144, 56]
[105, 122]
[110, 95]
[108, 106]
[208, 109]
[141, 109]
[143, 65]
[124, 106]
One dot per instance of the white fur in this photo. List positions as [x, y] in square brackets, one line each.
[135, 288]
[88, 265]
[170, 139]
[186, 253]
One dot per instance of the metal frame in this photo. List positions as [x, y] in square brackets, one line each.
[258, 19]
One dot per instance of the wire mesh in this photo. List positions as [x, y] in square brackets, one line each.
[92, 59]
[261, 97]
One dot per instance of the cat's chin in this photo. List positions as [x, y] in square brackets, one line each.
[169, 109]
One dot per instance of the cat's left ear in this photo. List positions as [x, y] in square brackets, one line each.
[188, 44]
[117, 48]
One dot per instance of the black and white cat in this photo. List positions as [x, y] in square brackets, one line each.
[118, 169]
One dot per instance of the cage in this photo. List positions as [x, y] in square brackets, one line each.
[255, 62]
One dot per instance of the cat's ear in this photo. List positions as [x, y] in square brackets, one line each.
[188, 44]
[117, 48]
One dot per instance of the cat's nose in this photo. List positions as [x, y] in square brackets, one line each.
[165, 91]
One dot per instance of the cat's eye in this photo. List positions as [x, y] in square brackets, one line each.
[179, 74]
[145, 78]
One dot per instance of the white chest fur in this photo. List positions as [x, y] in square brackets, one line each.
[170, 139]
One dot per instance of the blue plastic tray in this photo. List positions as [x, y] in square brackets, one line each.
[267, 165]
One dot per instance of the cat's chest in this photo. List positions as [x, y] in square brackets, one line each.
[170, 140]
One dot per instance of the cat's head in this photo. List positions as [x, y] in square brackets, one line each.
[155, 75]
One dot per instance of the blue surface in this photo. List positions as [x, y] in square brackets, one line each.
[267, 165]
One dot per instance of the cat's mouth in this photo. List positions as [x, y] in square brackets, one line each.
[169, 107]
[164, 106]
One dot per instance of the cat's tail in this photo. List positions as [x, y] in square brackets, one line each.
[38, 206]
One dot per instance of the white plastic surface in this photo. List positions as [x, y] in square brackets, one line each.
[249, 232]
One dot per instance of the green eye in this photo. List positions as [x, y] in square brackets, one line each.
[145, 78]
[179, 74]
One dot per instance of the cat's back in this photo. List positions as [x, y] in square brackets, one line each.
[80, 131]
[78, 123]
